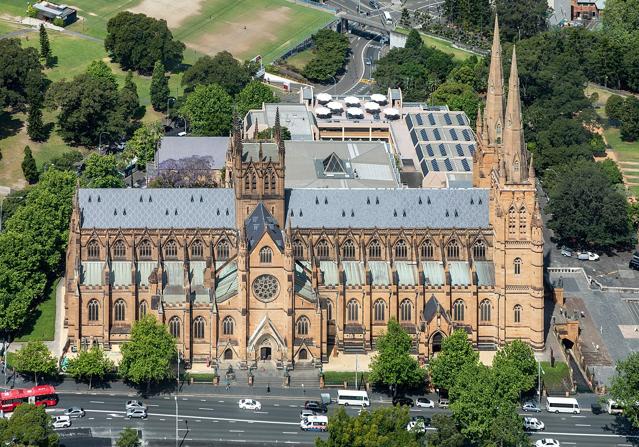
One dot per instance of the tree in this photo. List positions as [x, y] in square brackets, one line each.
[393, 365]
[519, 19]
[100, 70]
[267, 134]
[29, 168]
[21, 78]
[456, 353]
[143, 143]
[68, 161]
[29, 425]
[414, 40]
[516, 367]
[610, 168]
[136, 42]
[222, 69]
[457, 97]
[35, 127]
[90, 364]
[586, 210]
[330, 50]
[159, 88]
[208, 110]
[622, 17]
[385, 426]
[128, 438]
[149, 355]
[446, 433]
[101, 171]
[129, 98]
[253, 96]
[625, 387]
[473, 15]
[35, 358]
[45, 47]
[629, 130]
[614, 108]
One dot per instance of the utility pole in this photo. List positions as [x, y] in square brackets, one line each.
[176, 400]
[356, 371]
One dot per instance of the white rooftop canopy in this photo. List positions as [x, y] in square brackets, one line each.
[323, 97]
[371, 106]
[376, 97]
[351, 100]
[334, 105]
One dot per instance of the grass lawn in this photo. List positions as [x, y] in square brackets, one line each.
[339, 377]
[441, 44]
[7, 27]
[41, 327]
[626, 151]
[301, 59]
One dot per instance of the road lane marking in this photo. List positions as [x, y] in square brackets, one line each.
[236, 431]
[208, 409]
[214, 419]
[96, 402]
[152, 405]
[198, 420]
[290, 432]
[221, 401]
[91, 419]
[597, 435]
[293, 406]
[162, 420]
[578, 416]
[167, 398]
[261, 412]
[184, 398]
[202, 400]
[583, 425]
[569, 443]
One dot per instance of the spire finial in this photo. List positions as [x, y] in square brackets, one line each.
[514, 149]
[277, 128]
[256, 130]
[495, 98]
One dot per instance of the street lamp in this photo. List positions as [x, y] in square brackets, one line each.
[168, 106]
[177, 391]
[100, 141]
[540, 371]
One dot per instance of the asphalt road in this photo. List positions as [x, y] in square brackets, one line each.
[206, 418]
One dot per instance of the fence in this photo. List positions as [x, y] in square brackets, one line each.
[316, 4]
[305, 44]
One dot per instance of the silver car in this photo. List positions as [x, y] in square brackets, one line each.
[74, 412]
[133, 404]
[138, 413]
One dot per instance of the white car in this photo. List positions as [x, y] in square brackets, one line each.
[134, 404]
[547, 443]
[531, 406]
[250, 404]
[62, 422]
[424, 403]
[533, 424]
[137, 413]
[416, 426]
[306, 413]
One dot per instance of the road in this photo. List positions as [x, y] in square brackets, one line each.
[206, 418]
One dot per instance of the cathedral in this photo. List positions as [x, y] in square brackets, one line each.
[258, 271]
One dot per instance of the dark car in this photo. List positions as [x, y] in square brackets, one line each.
[316, 406]
[403, 400]
[634, 262]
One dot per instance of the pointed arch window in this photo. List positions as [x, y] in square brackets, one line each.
[426, 250]
[523, 221]
[353, 311]
[484, 311]
[479, 250]
[322, 249]
[405, 310]
[142, 309]
[512, 226]
[517, 266]
[267, 182]
[119, 310]
[380, 310]
[228, 325]
[197, 249]
[273, 181]
[266, 255]
[401, 249]
[302, 326]
[375, 250]
[329, 310]
[94, 310]
[170, 249]
[458, 310]
[253, 181]
[452, 250]
[348, 250]
[517, 313]
[119, 249]
[298, 249]
[174, 327]
[198, 328]
[144, 250]
[247, 181]
[93, 249]
[222, 251]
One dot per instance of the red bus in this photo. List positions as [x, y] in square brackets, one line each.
[43, 395]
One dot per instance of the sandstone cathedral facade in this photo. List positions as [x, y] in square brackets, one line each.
[258, 271]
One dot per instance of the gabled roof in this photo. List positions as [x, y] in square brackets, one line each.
[259, 222]
[432, 308]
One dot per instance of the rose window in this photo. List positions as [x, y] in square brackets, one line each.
[266, 287]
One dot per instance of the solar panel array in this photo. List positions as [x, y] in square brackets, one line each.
[443, 141]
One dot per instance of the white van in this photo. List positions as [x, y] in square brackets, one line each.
[353, 397]
[388, 18]
[614, 407]
[314, 423]
[562, 405]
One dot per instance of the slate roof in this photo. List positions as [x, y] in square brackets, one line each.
[391, 208]
[432, 307]
[259, 222]
[157, 208]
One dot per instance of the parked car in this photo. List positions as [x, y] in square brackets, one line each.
[133, 404]
[565, 251]
[74, 412]
[249, 404]
[306, 413]
[368, 61]
[403, 400]
[315, 406]
[424, 402]
[634, 261]
[587, 256]
[443, 403]
[531, 406]
[547, 443]
[62, 422]
[533, 424]
[136, 413]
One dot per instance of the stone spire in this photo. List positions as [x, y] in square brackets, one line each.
[277, 134]
[479, 123]
[514, 149]
[495, 98]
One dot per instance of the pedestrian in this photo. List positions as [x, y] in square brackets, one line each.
[268, 388]
[228, 385]
[303, 390]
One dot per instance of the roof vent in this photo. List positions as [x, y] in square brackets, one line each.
[227, 211]
[150, 199]
[89, 199]
[201, 199]
[395, 213]
[447, 214]
[479, 201]
[141, 199]
[472, 202]
[325, 200]
[115, 212]
[99, 199]
[291, 212]
[368, 200]
[404, 213]
[192, 200]
[301, 213]
[456, 213]
[218, 211]
[343, 213]
[176, 211]
[124, 212]
[352, 213]
[428, 200]
[166, 213]
[316, 200]
[420, 200]
[376, 200]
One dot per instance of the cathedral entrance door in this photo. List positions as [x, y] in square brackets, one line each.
[436, 343]
[265, 353]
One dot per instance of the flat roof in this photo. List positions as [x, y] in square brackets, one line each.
[295, 117]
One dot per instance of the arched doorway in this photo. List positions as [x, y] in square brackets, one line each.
[265, 353]
[303, 355]
[228, 354]
[436, 343]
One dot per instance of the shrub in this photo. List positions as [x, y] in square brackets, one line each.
[31, 11]
[58, 22]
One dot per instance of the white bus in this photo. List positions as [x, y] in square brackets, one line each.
[353, 397]
[314, 423]
[388, 18]
[562, 405]
[614, 407]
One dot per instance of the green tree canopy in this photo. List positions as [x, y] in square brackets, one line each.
[101, 171]
[446, 433]
[100, 70]
[29, 168]
[456, 353]
[143, 143]
[136, 42]
[516, 367]
[129, 98]
[35, 126]
[21, 77]
[208, 110]
[629, 129]
[90, 364]
[519, 19]
[457, 97]
[330, 52]
[393, 365]
[159, 88]
[253, 96]
[29, 425]
[625, 387]
[610, 168]
[128, 438]
[385, 427]
[222, 69]
[267, 134]
[614, 107]
[621, 17]
[34, 358]
[45, 46]
[414, 40]
[149, 355]
[471, 15]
